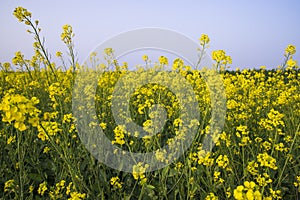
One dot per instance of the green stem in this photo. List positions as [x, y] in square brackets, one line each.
[131, 193]
[71, 50]
[65, 158]
[201, 56]
[20, 162]
[27, 68]
[285, 61]
[188, 179]
[287, 157]
[142, 192]
[243, 157]
[37, 36]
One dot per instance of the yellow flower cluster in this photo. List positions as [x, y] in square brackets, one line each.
[19, 110]
[138, 172]
[119, 135]
[115, 182]
[274, 120]
[266, 160]
[67, 35]
[263, 180]
[177, 64]
[222, 60]
[252, 168]
[6, 66]
[11, 139]
[204, 39]
[61, 190]
[18, 59]
[161, 155]
[55, 91]
[42, 188]
[290, 49]
[222, 161]
[243, 133]
[108, 51]
[290, 63]
[77, 196]
[163, 60]
[9, 185]
[248, 191]
[46, 129]
[220, 56]
[21, 14]
[57, 193]
[211, 196]
[204, 158]
[145, 58]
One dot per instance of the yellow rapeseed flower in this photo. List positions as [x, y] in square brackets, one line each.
[77, 196]
[291, 63]
[204, 39]
[11, 139]
[222, 161]
[290, 49]
[211, 196]
[115, 182]
[42, 188]
[8, 185]
[119, 132]
[218, 55]
[145, 58]
[163, 60]
[266, 160]
[21, 13]
[138, 172]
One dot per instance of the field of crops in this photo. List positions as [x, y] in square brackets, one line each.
[256, 155]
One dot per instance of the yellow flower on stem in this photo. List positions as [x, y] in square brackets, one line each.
[290, 49]
[204, 39]
[42, 188]
[138, 172]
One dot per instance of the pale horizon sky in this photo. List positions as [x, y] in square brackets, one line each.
[253, 33]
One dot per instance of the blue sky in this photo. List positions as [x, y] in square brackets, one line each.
[254, 32]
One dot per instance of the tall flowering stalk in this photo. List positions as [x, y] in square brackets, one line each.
[23, 15]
